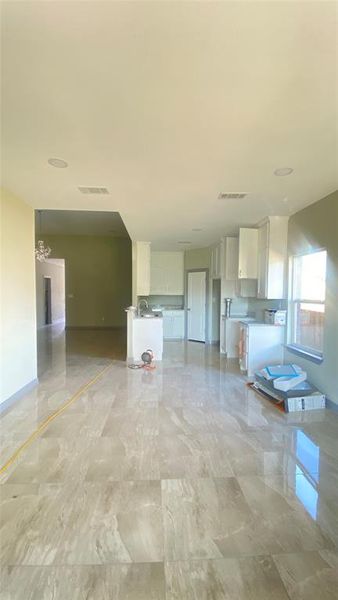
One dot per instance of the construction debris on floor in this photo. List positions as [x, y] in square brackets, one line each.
[287, 385]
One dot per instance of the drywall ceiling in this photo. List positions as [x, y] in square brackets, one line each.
[70, 222]
[167, 104]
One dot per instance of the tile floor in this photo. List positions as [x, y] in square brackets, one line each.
[176, 484]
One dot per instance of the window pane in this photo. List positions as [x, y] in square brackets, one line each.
[309, 276]
[309, 325]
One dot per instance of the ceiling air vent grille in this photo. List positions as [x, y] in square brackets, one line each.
[232, 195]
[93, 190]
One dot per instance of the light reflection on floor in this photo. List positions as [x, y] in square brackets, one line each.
[307, 472]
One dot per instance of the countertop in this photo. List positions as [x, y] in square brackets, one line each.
[253, 323]
[164, 308]
[239, 318]
[156, 317]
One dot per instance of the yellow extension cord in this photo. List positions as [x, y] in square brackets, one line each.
[51, 418]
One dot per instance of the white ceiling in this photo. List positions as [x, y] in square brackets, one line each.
[70, 222]
[167, 104]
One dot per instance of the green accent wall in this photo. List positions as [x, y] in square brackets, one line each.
[98, 273]
[200, 258]
[313, 228]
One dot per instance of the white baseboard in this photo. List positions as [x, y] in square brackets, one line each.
[9, 402]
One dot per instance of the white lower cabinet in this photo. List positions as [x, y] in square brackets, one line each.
[173, 324]
[260, 345]
[230, 335]
[167, 326]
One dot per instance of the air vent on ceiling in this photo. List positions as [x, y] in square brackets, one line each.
[93, 190]
[232, 195]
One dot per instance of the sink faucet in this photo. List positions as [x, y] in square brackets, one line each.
[139, 305]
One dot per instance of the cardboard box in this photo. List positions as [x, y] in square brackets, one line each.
[275, 317]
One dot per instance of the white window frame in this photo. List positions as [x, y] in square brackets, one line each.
[293, 302]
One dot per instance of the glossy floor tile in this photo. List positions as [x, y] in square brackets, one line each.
[117, 522]
[309, 575]
[254, 578]
[199, 513]
[118, 582]
[175, 484]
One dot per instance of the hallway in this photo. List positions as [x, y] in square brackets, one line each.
[178, 483]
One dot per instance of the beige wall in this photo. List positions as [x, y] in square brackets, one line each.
[18, 320]
[98, 278]
[313, 228]
[56, 272]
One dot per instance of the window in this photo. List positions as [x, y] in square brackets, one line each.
[307, 302]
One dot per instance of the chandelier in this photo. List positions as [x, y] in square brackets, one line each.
[41, 251]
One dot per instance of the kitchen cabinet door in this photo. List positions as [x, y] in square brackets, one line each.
[222, 347]
[157, 274]
[167, 273]
[168, 326]
[263, 235]
[232, 339]
[141, 269]
[277, 258]
[247, 256]
[243, 346]
[173, 324]
[216, 262]
[272, 258]
[178, 325]
[231, 258]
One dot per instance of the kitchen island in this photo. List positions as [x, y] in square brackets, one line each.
[144, 333]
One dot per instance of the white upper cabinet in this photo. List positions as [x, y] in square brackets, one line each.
[141, 269]
[247, 255]
[263, 240]
[216, 262]
[272, 258]
[167, 273]
[231, 286]
[229, 258]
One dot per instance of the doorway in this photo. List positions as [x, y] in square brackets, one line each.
[50, 292]
[47, 290]
[196, 309]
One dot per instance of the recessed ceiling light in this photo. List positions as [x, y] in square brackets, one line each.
[283, 171]
[197, 229]
[184, 242]
[58, 162]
